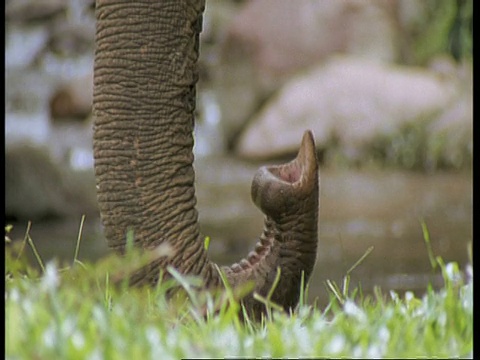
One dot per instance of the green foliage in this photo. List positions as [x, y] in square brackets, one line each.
[79, 313]
[413, 147]
[447, 29]
[406, 149]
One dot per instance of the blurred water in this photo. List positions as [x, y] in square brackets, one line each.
[358, 210]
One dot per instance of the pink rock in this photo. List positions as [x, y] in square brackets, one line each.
[283, 36]
[348, 100]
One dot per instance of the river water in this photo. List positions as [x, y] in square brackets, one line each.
[359, 210]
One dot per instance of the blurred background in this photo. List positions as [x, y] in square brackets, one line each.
[386, 86]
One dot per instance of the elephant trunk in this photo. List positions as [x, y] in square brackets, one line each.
[288, 196]
[144, 99]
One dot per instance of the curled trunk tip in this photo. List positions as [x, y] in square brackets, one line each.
[278, 187]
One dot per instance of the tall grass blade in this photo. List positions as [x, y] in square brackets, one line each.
[336, 291]
[359, 261]
[346, 284]
[275, 283]
[79, 237]
[301, 301]
[267, 301]
[231, 301]
[426, 238]
[187, 283]
[25, 240]
[35, 252]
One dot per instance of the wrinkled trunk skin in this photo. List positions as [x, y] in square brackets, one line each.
[144, 100]
[288, 196]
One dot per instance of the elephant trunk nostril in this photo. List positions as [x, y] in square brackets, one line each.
[304, 166]
[289, 173]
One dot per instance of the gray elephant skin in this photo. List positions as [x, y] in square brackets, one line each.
[145, 73]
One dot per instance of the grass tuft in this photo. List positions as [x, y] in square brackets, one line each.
[79, 312]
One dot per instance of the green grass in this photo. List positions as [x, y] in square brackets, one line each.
[76, 312]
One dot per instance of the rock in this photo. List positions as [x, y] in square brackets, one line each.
[451, 134]
[315, 30]
[349, 102]
[38, 188]
[270, 40]
[36, 10]
[73, 99]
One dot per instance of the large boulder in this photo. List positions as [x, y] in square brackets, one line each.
[268, 41]
[349, 102]
[282, 36]
[37, 187]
